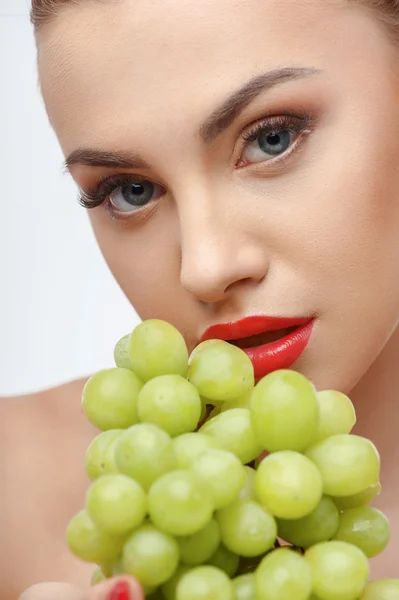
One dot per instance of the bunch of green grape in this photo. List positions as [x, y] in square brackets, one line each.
[181, 500]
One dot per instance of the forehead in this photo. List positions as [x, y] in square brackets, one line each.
[150, 57]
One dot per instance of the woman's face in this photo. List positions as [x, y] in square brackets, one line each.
[249, 151]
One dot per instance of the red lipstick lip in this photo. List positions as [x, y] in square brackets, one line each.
[273, 356]
[251, 326]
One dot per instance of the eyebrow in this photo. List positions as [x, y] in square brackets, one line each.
[99, 158]
[215, 125]
[228, 112]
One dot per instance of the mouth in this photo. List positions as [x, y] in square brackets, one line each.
[260, 339]
[271, 343]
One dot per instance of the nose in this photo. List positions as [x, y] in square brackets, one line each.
[217, 258]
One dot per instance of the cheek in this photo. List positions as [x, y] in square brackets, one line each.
[350, 255]
[345, 227]
[358, 221]
[145, 261]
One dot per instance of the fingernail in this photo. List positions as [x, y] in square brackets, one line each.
[121, 591]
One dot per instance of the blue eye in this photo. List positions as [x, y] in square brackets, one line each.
[268, 144]
[274, 143]
[132, 195]
[272, 137]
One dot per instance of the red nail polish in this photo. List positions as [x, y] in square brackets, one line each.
[121, 591]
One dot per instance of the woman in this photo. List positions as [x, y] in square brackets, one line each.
[238, 158]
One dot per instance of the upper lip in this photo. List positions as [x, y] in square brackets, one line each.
[251, 326]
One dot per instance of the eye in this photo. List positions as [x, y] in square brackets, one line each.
[272, 138]
[268, 145]
[133, 195]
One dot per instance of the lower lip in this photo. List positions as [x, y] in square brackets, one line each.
[280, 354]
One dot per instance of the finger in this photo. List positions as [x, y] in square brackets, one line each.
[118, 588]
[53, 591]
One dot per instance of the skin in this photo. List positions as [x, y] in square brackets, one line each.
[233, 232]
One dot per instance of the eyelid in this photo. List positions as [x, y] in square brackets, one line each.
[301, 123]
[98, 194]
[138, 216]
[275, 123]
[298, 122]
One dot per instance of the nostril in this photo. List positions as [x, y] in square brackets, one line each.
[213, 267]
[205, 285]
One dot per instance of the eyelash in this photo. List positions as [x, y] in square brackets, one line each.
[269, 125]
[97, 196]
[302, 124]
[287, 122]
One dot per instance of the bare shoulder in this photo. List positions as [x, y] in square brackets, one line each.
[45, 403]
[43, 440]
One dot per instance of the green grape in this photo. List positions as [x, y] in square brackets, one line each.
[337, 414]
[116, 503]
[348, 464]
[171, 403]
[243, 401]
[205, 583]
[285, 411]
[189, 446]
[382, 589]
[283, 575]
[179, 503]
[169, 588]
[144, 452]
[121, 353]
[340, 571]
[97, 577]
[220, 371]
[157, 348]
[225, 560]
[360, 499]
[100, 455]
[234, 431]
[222, 473]
[364, 527]
[198, 548]
[244, 587]
[198, 349]
[247, 491]
[319, 526]
[89, 543]
[247, 529]
[110, 399]
[151, 556]
[288, 484]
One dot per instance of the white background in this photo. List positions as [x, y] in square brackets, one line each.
[60, 309]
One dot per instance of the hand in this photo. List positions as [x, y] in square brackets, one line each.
[118, 588]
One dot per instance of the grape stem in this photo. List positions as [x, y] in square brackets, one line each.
[209, 409]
